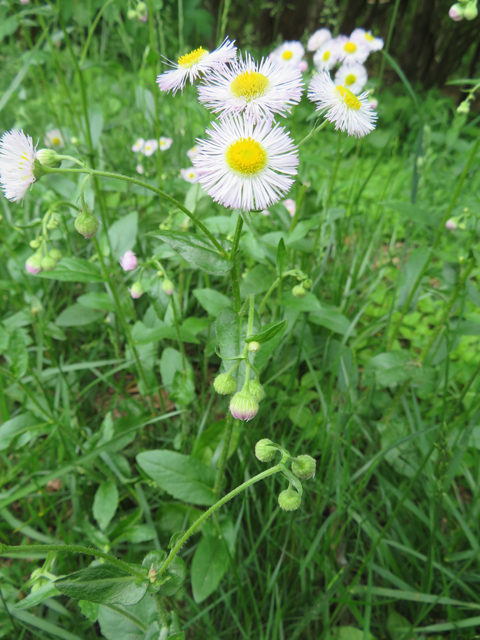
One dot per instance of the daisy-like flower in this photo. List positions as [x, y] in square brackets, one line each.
[140, 169]
[352, 76]
[318, 38]
[54, 139]
[246, 165]
[191, 153]
[191, 65]
[258, 90]
[17, 162]
[326, 57]
[290, 206]
[349, 112]
[289, 53]
[190, 175]
[150, 147]
[350, 52]
[360, 36]
[138, 145]
[164, 143]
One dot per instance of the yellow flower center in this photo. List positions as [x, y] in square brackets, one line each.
[246, 156]
[369, 37]
[350, 47]
[350, 79]
[194, 57]
[56, 140]
[326, 56]
[349, 98]
[250, 85]
[287, 55]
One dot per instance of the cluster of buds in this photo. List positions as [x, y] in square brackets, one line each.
[300, 290]
[43, 262]
[86, 224]
[138, 13]
[464, 9]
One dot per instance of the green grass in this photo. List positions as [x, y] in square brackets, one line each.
[386, 538]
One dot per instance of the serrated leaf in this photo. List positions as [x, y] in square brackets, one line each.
[197, 251]
[268, 334]
[73, 270]
[104, 584]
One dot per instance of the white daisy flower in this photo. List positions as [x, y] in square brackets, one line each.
[150, 147]
[17, 161]
[193, 64]
[258, 90]
[318, 38]
[349, 112]
[290, 205]
[352, 76]
[138, 145]
[190, 175]
[164, 143]
[140, 169]
[360, 36]
[350, 52]
[326, 57]
[246, 165]
[54, 139]
[191, 153]
[289, 53]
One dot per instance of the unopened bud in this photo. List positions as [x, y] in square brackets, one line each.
[456, 12]
[450, 224]
[137, 290]
[36, 243]
[33, 264]
[289, 500]
[128, 261]
[48, 264]
[152, 575]
[264, 450]
[464, 107]
[254, 347]
[224, 384]
[55, 254]
[307, 283]
[470, 12]
[131, 14]
[141, 7]
[86, 224]
[298, 291]
[243, 405]
[304, 467]
[167, 287]
[256, 389]
[48, 158]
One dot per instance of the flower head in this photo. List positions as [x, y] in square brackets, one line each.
[304, 467]
[259, 90]
[33, 264]
[189, 175]
[191, 153]
[139, 168]
[246, 165]
[167, 287]
[137, 290]
[128, 261]
[54, 139]
[326, 56]
[191, 65]
[290, 206]
[365, 38]
[456, 12]
[17, 163]
[289, 500]
[352, 76]
[86, 224]
[289, 53]
[164, 143]
[138, 145]
[318, 38]
[150, 147]
[264, 450]
[224, 384]
[349, 112]
[243, 405]
[350, 51]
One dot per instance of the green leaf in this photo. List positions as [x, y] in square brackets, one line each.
[96, 300]
[33, 599]
[8, 26]
[14, 427]
[349, 633]
[398, 625]
[212, 301]
[123, 234]
[389, 368]
[414, 266]
[183, 388]
[413, 212]
[268, 334]
[308, 303]
[105, 503]
[209, 565]
[282, 258]
[89, 609]
[17, 353]
[196, 251]
[73, 270]
[77, 315]
[227, 328]
[331, 319]
[183, 477]
[126, 624]
[104, 584]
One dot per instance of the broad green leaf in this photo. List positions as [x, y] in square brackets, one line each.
[170, 365]
[96, 300]
[123, 234]
[308, 303]
[183, 477]
[89, 609]
[331, 319]
[77, 315]
[197, 251]
[257, 280]
[268, 334]
[73, 270]
[17, 353]
[105, 503]
[212, 301]
[227, 328]
[14, 427]
[104, 584]
[209, 565]
[413, 212]
[127, 624]
[8, 26]
[282, 258]
[389, 368]
[183, 388]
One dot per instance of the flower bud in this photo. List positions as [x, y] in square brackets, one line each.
[243, 405]
[128, 261]
[254, 347]
[48, 264]
[256, 389]
[36, 243]
[86, 224]
[464, 108]
[131, 14]
[298, 291]
[304, 467]
[264, 451]
[303, 66]
[224, 384]
[55, 254]
[141, 7]
[456, 12]
[137, 290]
[289, 500]
[450, 224]
[33, 264]
[167, 287]
[307, 283]
[49, 158]
[470, 12]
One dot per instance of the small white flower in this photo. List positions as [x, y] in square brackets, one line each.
[318, 38]
[190, 175]
[138, 145]
[290, 206]
[303, 66]
[349, 51]
[349, 112]
[54, 139]
[191, 153]
[258, 90]
[352, 76]
[360, 36]
[17, 160]
[289, 53]
[150, 147]
[164, 143]
[265, 212]
[373, 103]
[326, 56]
[191, 65]
[246, 165]
[140, 169]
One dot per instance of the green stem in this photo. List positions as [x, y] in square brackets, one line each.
[267, 295]
[223, 458]
[217, 505]
[161, 610]
[234, 273]
[156, 92]
[387, 44]
[313, 132]
[69, 548]
[179, 337]
[92, 31]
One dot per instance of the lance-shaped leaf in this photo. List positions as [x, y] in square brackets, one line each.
[197, 251]
[104, 584]
[268, 333]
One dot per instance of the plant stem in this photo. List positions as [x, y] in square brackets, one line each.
[223, 457]
[156, 92]
[161, 610]
[234, 273]
[387, 44]
[313, 132]
[176, 319]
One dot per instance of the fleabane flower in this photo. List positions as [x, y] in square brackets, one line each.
[17, 163]
[150, 147]
[191, 65]
[360, 36]
[164, 143]
[318, 38]
[289, 53]
[129, 261]
[326, 57]
[352, 76]
[138, 145]
[349, 112]
[290, 206]
[259, 90]
[190, 175]
[246, 165]
[191, 153]
[54, 139]
[350, 51]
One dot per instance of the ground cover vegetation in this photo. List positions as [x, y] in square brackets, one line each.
[238, 359]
